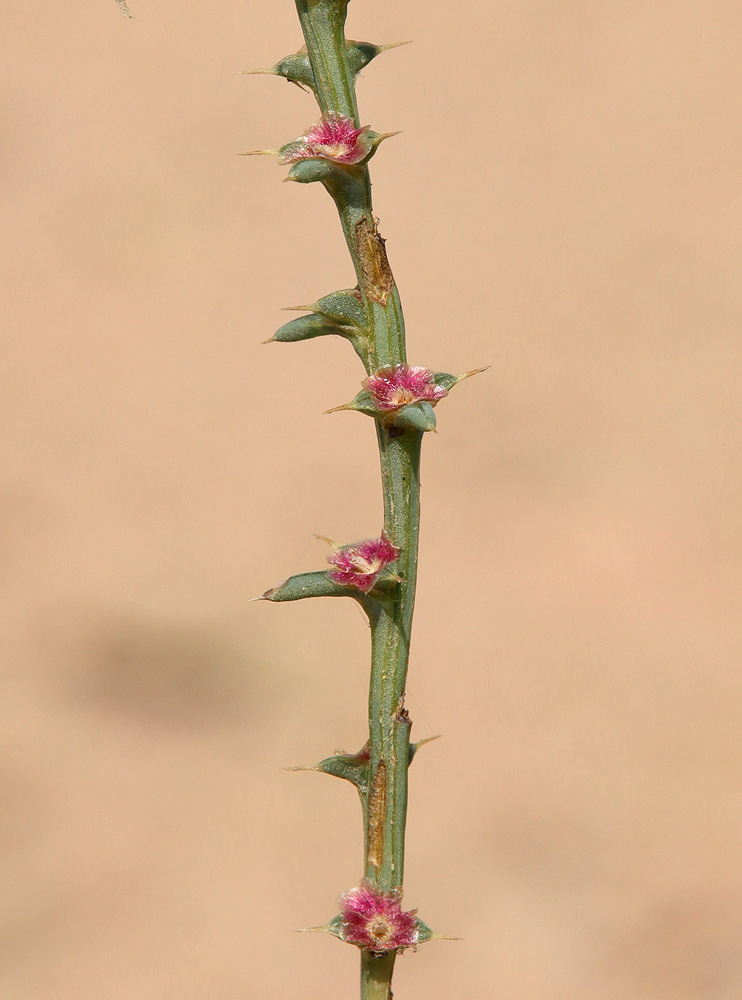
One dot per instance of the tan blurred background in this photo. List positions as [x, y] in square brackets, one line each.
[564, 204]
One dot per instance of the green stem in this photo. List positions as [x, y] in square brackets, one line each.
[376, 976]
[323, 24]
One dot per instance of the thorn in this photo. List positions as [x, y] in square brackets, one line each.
[336, 409]
[388, 135]
[261, 152]
[394, 45]
[428, 739]
[474, 371]
[288, 178]
[270, 340]
[268, 594]
[322, 538]
[257, 72]
[302, 767]
[297, 309]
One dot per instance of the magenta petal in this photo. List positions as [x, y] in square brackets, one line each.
[375, 920]
[392, 388]
[360, 564]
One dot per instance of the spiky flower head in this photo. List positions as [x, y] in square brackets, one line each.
[360, 564]
[392, 388]
[375, 921]
[335, 138]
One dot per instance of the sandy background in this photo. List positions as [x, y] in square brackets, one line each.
[564, 204]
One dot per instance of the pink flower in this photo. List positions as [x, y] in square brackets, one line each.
[392, 388]
[333, 137]
[360, 564]
[375, 920]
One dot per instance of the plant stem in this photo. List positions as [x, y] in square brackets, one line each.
[376, 976]
[323, 24]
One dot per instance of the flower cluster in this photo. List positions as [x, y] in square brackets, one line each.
[335, 138]
[392, 388]
[375, 921]
[360, 564]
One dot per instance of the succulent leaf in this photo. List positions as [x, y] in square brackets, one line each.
[424, 933]
[360, 54]
[344, 307]
[306, 328]
[449, 381]
[317, 584]
[298, 69]
[339, 313]
[350, 767]
[414, 747]
[416, 416]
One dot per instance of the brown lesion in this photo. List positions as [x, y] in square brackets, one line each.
[377, 816]
[377, 278]
[400, 712]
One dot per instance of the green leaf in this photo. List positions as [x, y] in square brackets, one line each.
[414, 747]
[298, 69]
[445, 380]
[317, 584]
[344, 307]
[334, 927]
[306, 328]
[350, 767]
[424, 933]
[295, 68]
[342, 182]
[340, 314]
[417, 416]
[449, 381]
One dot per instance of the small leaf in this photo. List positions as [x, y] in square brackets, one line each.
[425, 933]
[338, 180]
[298, 69]
[350, 767]
[340, 313]
[417, 416]
[414, 747]
[360, 54]
[344, 307]
[334, 927]
[317, 584]
[306, 328]
[362, 403]
[295, 68]
[449, 381]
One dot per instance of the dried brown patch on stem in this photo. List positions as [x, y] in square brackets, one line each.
[378, 280]
[400, 712]
[377, 816]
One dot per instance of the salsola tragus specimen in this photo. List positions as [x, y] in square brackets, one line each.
[379, 573]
